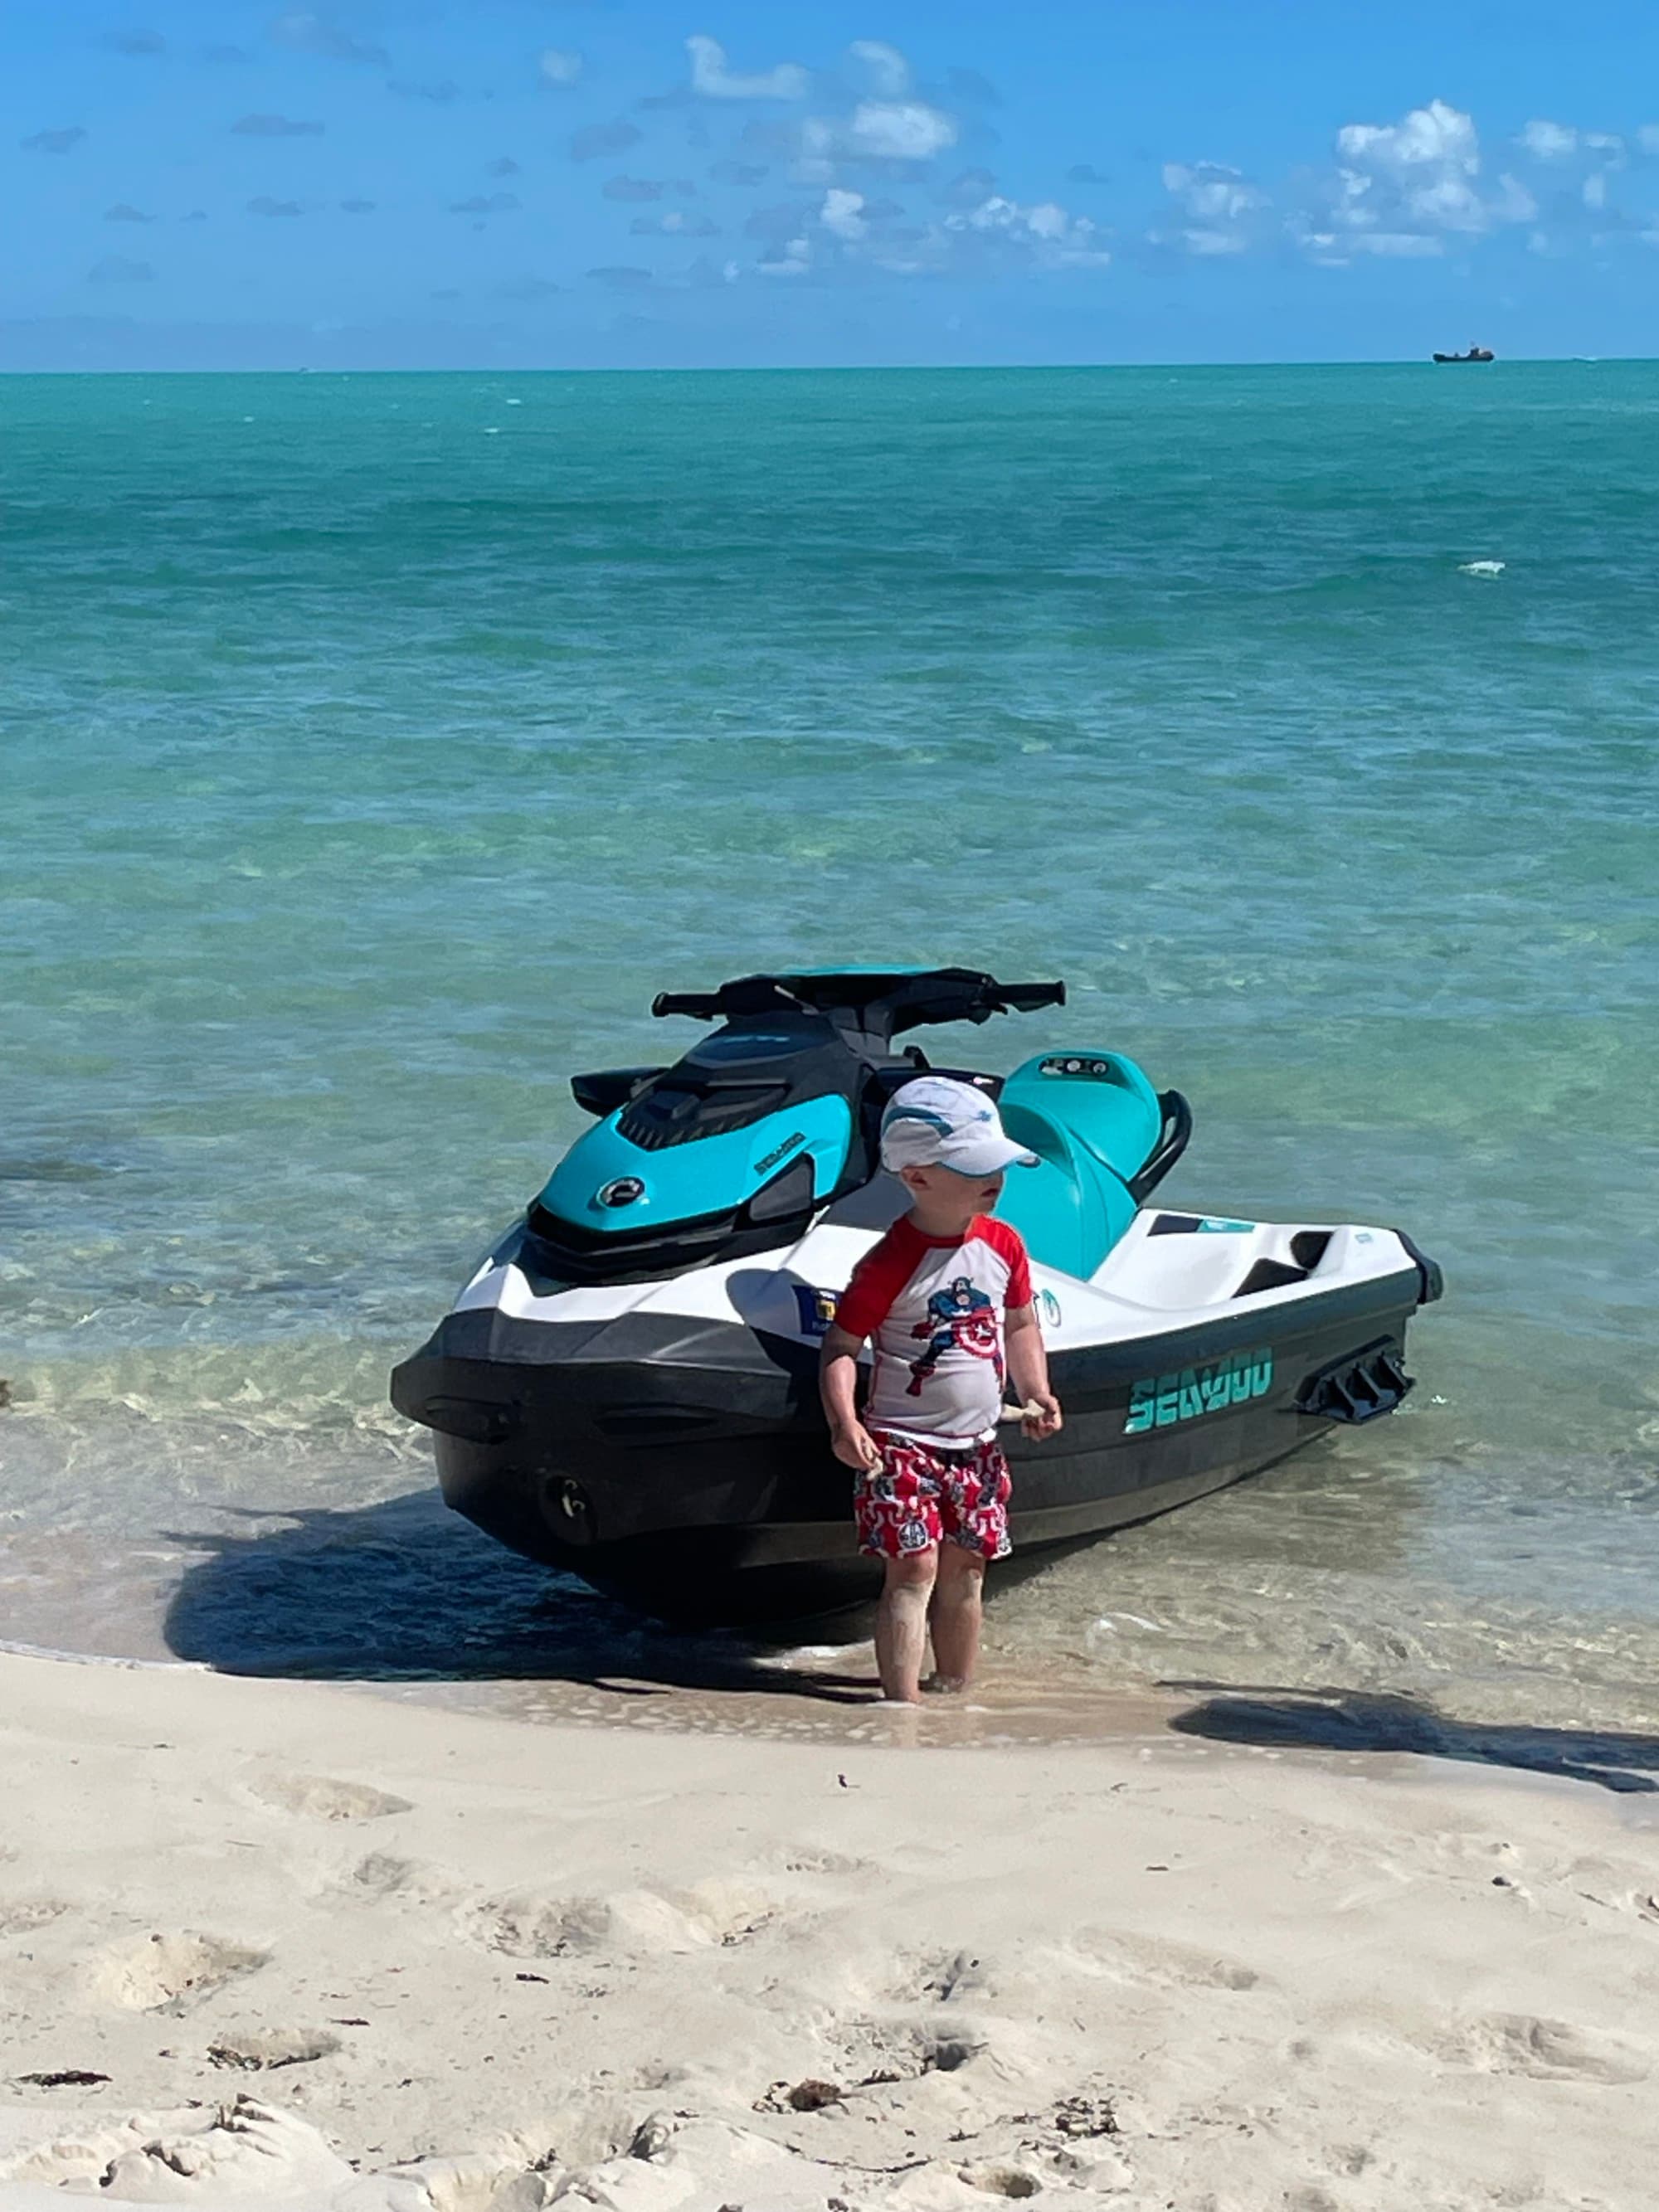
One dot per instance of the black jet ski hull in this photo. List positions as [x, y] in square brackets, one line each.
[681, 1464]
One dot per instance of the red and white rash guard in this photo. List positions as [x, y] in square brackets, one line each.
[932, 1309]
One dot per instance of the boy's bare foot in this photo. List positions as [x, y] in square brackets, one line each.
[944, 1686]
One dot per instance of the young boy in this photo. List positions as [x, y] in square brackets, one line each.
[941, 1295]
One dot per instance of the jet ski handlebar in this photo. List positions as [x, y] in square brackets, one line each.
[886, 1000]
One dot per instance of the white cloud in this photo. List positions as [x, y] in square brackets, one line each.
[560, 65]
[886, 64]
[310, 33]
[1214, 208]
[1588, 159]
[793, 258]
[1549, 142]
[1514, 203]
[1211, 191]
[1449, 203]
[842, 215]
[1426, 165]
[1436, 137]
[1397, 245]
[1401, 190]
[675, 224]
[849, 237]
[900, 130]
[1044, 235]
[817, 148]
[715, 80]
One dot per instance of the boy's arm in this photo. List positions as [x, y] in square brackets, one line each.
[1027, 1368]
[838, 1374]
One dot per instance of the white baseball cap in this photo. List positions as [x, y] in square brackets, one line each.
[938, 1122]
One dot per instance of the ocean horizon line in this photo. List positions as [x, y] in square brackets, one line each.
[832, 368]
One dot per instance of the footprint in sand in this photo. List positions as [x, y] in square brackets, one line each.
[25, 1914]
[638, 1921]
[1000, 2180]
[1164, 1964]
[383, 1876]
[264, 2050]
[805, 1859]
[1548, 2049]
[875, 2052]
[169, 1970]
[237, 2153]
[316, 1797]
[934, 1977]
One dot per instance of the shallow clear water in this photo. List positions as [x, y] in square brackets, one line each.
[374, 747]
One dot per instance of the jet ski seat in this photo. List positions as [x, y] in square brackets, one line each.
[1094, 1122]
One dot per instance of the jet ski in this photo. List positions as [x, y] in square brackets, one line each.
[627, 1388]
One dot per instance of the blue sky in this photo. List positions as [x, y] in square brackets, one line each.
[526, 183]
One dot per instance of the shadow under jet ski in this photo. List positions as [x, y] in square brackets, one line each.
[397, 1593]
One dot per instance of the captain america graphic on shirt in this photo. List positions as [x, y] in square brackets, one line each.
[960, 1317]
[931, 1310]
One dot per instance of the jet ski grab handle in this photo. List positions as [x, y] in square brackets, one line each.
[907, 1000]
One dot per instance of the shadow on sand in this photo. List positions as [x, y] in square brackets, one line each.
[1357, 1720]
[404, 1591]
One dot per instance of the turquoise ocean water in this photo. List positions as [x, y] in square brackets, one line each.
[374, 747]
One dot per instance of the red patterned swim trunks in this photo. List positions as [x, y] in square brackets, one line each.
[928, 1494]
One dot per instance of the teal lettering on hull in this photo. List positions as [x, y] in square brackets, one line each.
[1157, 1401]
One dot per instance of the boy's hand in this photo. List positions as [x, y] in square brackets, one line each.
[1046, 1421]
[854, 1446]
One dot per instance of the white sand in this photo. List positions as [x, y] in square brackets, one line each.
[463, 1962]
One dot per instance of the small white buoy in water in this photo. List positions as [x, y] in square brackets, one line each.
[1482, 567]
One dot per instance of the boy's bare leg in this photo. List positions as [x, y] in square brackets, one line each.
[901, 1624]
[955, 1616]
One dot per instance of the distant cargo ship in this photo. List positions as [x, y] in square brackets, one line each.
[1475, 353]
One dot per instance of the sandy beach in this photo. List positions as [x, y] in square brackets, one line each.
[333, 1949]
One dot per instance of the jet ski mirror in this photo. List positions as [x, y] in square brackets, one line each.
[607, 1088]
[1031, 998]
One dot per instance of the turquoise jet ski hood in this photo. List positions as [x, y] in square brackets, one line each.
[734, 1147]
